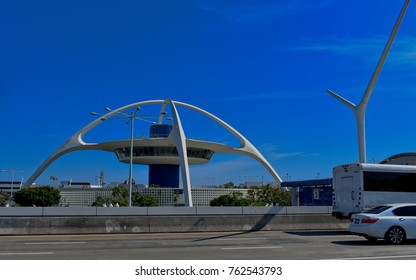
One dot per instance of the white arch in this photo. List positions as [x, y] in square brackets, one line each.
[178, 136]
[76, 142]
[245, 148]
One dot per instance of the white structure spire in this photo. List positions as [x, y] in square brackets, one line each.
[359, 110]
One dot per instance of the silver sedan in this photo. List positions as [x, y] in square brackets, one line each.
[395, 223]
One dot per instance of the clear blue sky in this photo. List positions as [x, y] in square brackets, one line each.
[261, 66]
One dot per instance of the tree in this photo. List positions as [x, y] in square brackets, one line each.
[260, 196]
[38, 196]
[143, 200]
[4, 198]
[228, 185]
[269, 195]
[120, 197]
[234, 199]
[54, 179]
[100, 201]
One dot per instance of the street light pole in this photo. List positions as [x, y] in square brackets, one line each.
[13, 171]
[132, 117]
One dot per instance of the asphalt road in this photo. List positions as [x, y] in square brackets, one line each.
[262, 245]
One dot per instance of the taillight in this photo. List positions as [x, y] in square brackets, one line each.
[369, 220]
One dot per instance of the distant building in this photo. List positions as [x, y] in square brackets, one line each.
[314, 192]
[254, 184]
[77, 185]
[203, 196]
[250, 184]
[8, 186]
[401, 159]
[84, 197]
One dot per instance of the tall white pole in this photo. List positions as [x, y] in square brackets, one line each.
[13, 171]
[133, 115]
[11, 191]
[359, 110]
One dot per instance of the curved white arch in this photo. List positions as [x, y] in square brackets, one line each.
[245, 148]
[76, 142]
[178, 136]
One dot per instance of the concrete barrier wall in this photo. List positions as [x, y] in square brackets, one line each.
[158, 211]
[170, 211]
[21, 211]
[100, 220]
[122, 211]
[69, 211]
[147, 224]
[219, 210]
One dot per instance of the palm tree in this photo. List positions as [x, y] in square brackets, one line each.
[53, 178]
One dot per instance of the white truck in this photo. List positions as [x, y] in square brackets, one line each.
[358, 186]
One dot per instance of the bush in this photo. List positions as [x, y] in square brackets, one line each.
[146, 200]
[260, 196]
[4, 198]
[100, 201]
[120, 197]
[37, 196]
[234, 199]
[269, 195]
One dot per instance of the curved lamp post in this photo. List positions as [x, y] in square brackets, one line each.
[131, 117]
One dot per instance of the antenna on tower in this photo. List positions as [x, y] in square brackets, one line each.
[359, 110]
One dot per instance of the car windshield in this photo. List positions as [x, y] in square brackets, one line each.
[377, 209]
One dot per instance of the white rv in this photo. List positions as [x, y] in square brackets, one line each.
[358, 187]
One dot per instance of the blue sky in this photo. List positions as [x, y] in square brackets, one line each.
[261, 66]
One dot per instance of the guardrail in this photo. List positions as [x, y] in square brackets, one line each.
[159, 211]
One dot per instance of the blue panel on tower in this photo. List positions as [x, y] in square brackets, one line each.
[164, 175]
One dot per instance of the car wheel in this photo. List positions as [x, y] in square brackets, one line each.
[396, 235]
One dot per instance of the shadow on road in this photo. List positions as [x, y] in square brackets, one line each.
[360, 243]
[258, 226]
[224, 236]
[365, 242]
[319, 232]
